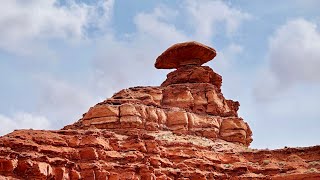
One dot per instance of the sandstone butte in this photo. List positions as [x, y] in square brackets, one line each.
[183, 129]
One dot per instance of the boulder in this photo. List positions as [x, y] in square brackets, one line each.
[183, 54]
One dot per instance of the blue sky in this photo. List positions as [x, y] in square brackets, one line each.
[58, 58]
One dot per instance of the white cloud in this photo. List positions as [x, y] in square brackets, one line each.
[159, 26]
[211, 17]
[26, 26]
[23, 120]
[123, 62]
[101, 14]
[294, 52]
[119, 62]
[227, 56]
[293, 58]
[62, 101]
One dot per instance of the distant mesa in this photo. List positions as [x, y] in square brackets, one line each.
[184, 54]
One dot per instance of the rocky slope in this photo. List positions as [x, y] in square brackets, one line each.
[183, 129]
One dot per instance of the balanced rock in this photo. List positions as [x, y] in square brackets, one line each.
[183, 54]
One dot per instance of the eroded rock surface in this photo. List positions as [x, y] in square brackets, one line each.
[190, 109]
[186, 53]
[193, 74]
[183, 129]
[142, 154]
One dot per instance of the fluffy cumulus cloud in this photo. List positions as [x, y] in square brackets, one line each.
[155, 31]
[26, 26]
[62, 101]
[122, 62]
[158, 25]
[287, 88]
[119, 60]
[209, 17]
[227, 56]
[23, 120]
[293, 58]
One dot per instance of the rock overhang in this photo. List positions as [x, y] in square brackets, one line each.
[183, 54]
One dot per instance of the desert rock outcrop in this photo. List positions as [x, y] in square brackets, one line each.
[183, 129]
[183, 54]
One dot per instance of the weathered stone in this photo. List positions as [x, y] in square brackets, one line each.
[177, 118]
[152, 115]
[88, 153]
[182, 54]
[233, 123]
[74, 175]
[33, 170]
[193, 74]
[93, 141]
[235, 130]
[128, 110]
[142, 111]
[88, 174]
[101, 174]
[177, 96]
[99, 111]
[131, 119]
[8, 165]
[162, 117]
[60, 173]
[202, 121]
[100, 120]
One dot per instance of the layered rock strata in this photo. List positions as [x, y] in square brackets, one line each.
[183, 129]
[190, 109]
[146, 155]
[193, 109]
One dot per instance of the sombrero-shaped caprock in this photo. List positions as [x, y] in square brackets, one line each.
[182, 54]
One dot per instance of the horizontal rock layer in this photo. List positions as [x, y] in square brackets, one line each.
[140, 154]
[128, 116]
[200, 98]
[193, 74]
[193, 109]
[105, 116]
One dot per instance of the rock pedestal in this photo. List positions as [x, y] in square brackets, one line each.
[183, 129]
[193, 74]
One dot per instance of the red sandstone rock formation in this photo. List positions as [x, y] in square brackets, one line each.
[183, 129]
[182, 54]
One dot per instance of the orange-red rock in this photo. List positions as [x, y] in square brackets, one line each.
[150, 154]
[193, 74]
[182, 54]
[183, 129]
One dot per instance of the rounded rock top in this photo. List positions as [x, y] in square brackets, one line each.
[183, 54]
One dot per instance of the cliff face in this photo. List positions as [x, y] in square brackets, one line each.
[183, 129]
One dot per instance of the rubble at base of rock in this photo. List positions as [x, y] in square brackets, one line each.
[183, 129]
